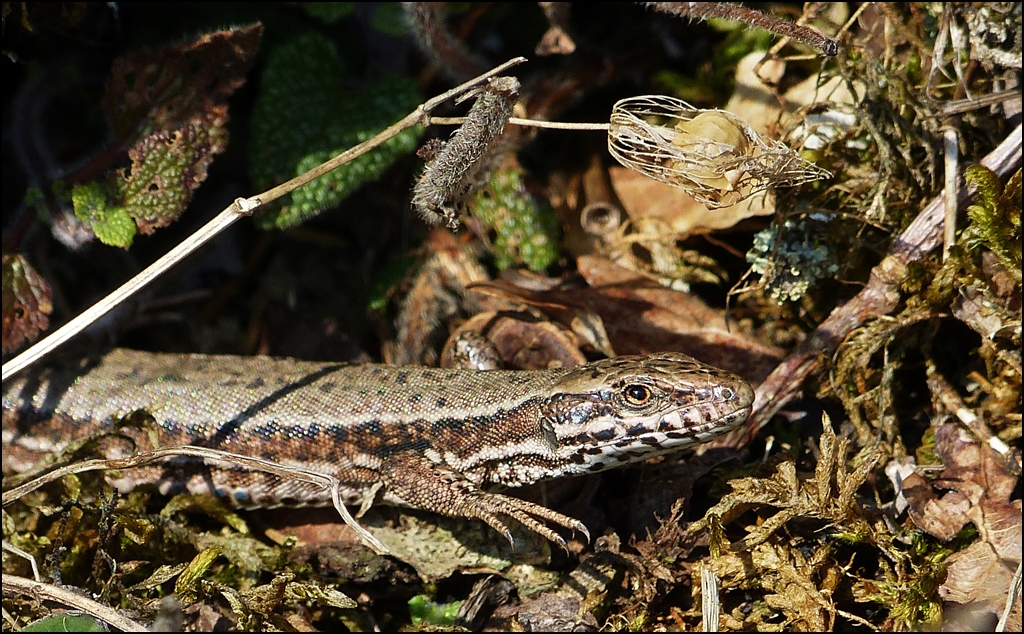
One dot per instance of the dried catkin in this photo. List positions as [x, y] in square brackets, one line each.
[454, 168]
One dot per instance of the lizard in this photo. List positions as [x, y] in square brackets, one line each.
[428, 438]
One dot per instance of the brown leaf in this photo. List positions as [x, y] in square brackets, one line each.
[941, 517]
[26, 303]
[586, 325]
[645, 197]
[978, 473]
[524, 342]
[642, 317]
[979, 490]
[976, 574]
[170, 86]
[986, 315]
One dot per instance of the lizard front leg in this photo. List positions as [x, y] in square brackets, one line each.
[426, 485]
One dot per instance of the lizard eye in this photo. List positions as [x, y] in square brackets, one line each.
[636, 394]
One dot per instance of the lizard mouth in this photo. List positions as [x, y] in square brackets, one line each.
[609, 442]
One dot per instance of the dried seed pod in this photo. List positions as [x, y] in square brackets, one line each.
[713, 155]
[455, 166]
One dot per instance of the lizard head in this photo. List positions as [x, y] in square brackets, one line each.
[627, 409]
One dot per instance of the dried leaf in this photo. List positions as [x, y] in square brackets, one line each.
[979, 309]
[524, 342]
[504, 296]
[980, 486]
[642, 317]
[977, 574]
[166, 89]
[26, 303]
[645, 197]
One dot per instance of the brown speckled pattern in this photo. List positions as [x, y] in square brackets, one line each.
[431, 437]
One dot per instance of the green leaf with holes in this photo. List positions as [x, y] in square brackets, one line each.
[166, 167]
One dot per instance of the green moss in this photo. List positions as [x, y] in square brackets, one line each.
[995, 217]
[423, 610]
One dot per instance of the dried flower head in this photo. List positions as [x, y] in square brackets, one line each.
[713, 155]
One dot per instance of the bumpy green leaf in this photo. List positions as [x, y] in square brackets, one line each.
[167, 166]
[329, 12]
[526, 230]
[302, 119]
[424, 610]
[390, 18]
[111, 223]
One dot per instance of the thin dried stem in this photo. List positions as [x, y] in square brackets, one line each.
[704, 10]
[530, 123]
[208, 455]
[67, 596]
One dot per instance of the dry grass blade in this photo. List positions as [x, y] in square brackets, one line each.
[67, 596]
[715, 156]
[158, 455]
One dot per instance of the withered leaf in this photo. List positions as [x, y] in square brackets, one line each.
[524, 342]
[168, 87]
[975, 475]
[26, 302]
[978, 489]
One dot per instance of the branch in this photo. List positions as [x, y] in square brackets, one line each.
[879, 297]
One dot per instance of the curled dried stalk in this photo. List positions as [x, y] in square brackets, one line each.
[706, 10]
